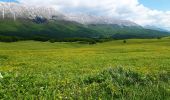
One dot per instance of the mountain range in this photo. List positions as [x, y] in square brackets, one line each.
[42, 23]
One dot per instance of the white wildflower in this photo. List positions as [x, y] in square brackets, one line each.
[42, 88]
[1, 76]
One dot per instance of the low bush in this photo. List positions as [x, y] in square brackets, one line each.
[127, 84]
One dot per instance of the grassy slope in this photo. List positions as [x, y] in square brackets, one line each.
[127, 32]
[71, 70]
[51, 29]
[62, 29]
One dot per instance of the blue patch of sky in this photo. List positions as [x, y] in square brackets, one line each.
[157, 4]
[8, 0]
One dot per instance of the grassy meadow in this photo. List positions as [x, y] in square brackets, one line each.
[136, 70]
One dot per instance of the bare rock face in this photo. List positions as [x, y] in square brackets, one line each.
[90, 19]
[17, 11]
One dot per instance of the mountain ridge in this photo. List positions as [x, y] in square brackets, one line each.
[15, 10]
[38, 23]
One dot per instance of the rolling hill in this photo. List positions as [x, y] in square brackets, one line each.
[60, 29]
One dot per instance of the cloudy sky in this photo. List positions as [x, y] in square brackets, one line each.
[143, 12]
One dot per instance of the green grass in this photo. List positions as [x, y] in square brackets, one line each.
[24, 29]
[136, 70]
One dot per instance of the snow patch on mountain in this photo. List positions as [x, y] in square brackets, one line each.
[17, 11]
[91, 19]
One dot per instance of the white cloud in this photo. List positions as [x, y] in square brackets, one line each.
[124, 9]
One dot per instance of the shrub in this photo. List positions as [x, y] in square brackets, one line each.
[42, 39]
[52, 40]
[159, 37]
[124, 41]
[92, 42]
[127, 84]
[9, 39]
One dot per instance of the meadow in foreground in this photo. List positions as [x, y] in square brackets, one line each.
[136, 70]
